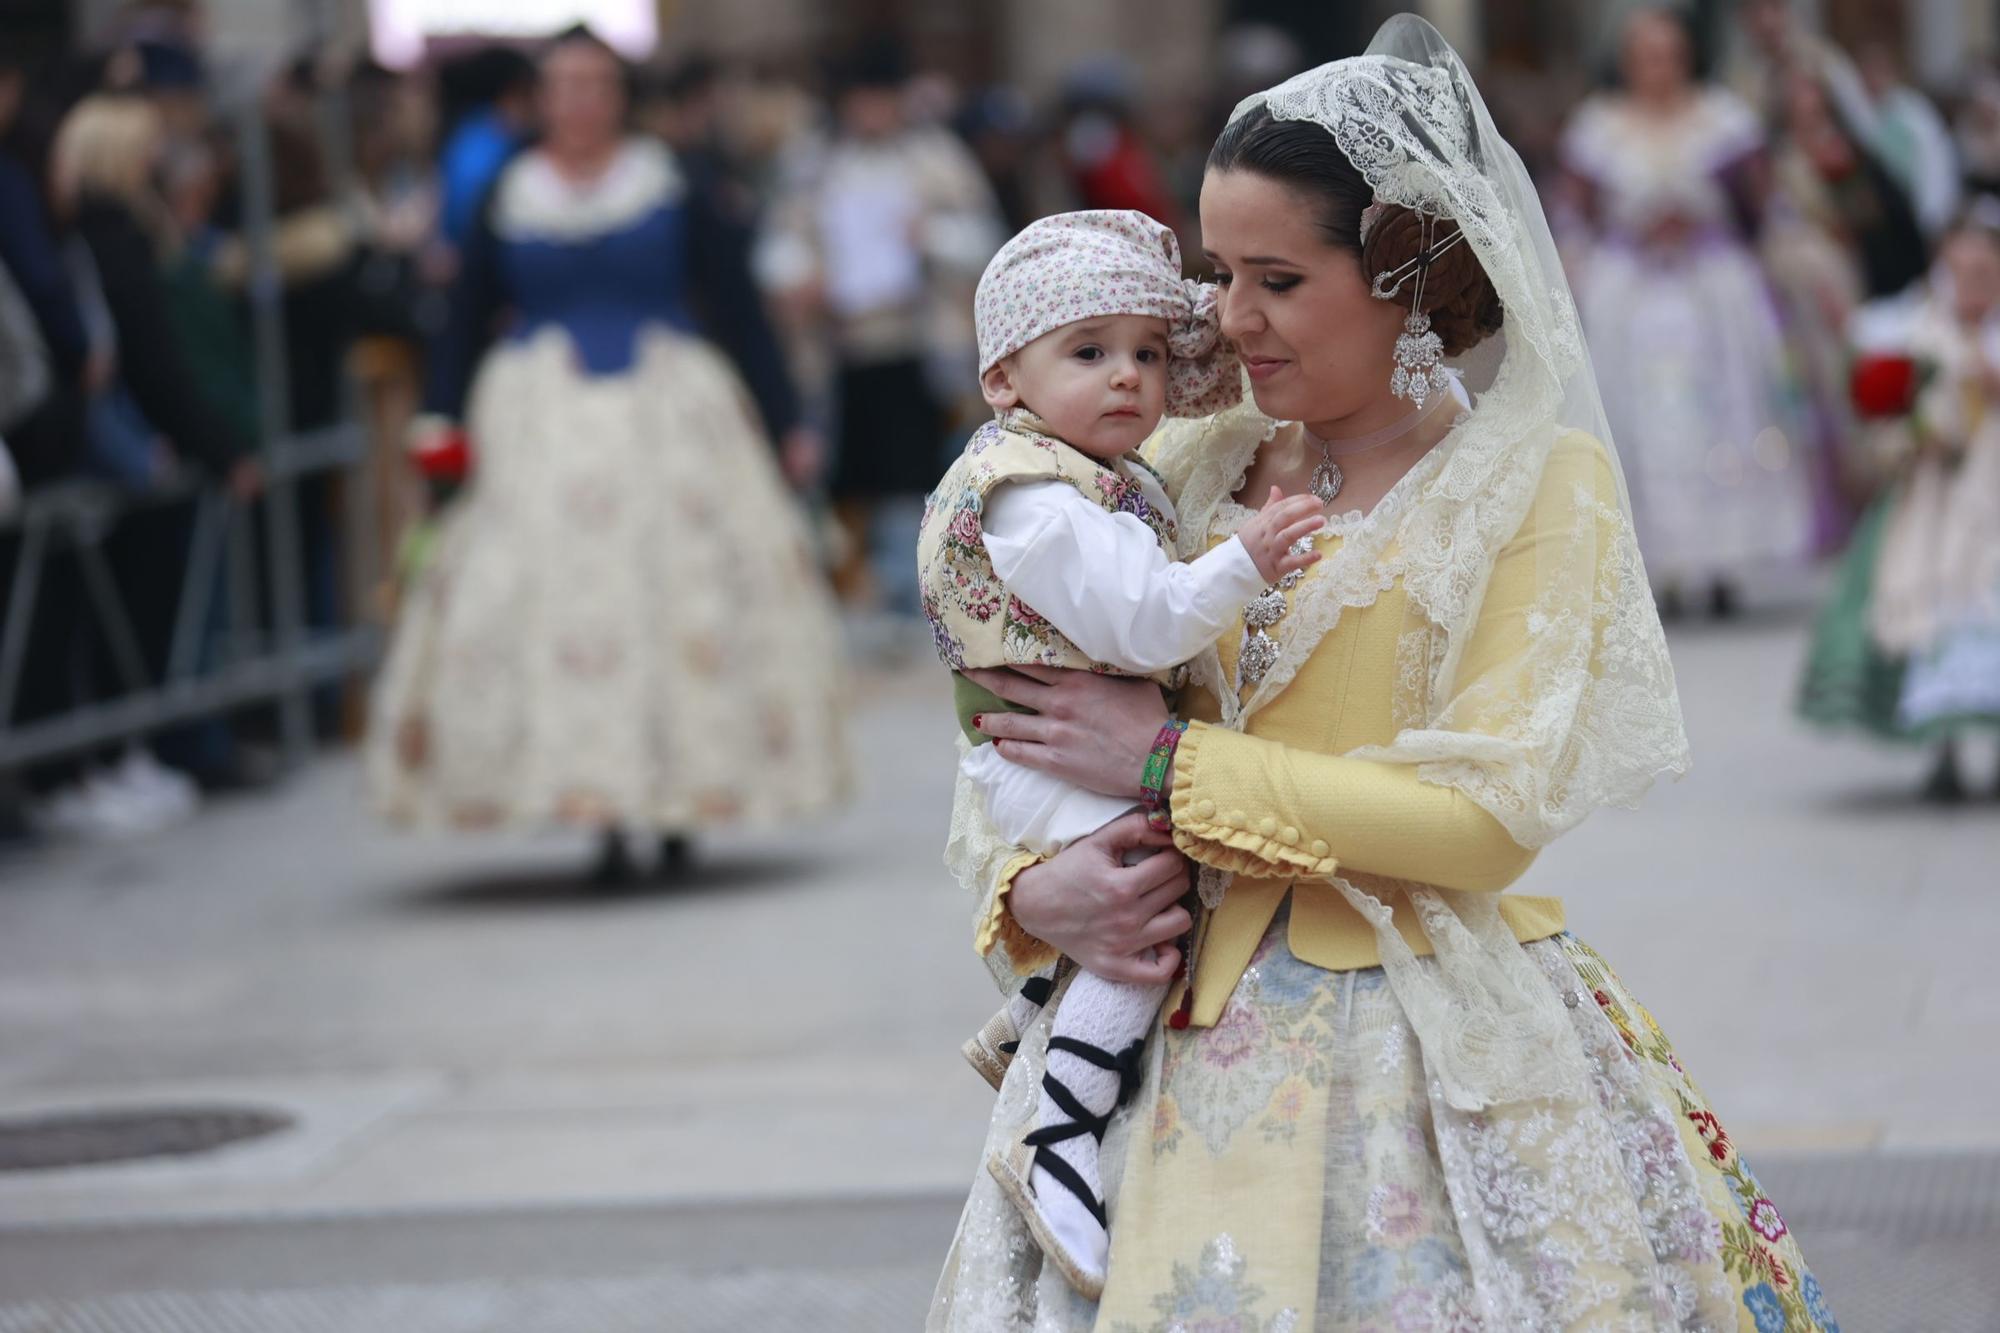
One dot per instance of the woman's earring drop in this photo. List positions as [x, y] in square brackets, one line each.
[1419, 353]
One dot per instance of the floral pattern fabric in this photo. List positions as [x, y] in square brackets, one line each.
[1294, 1168]
[974, 620]
[1076, 266]
[623, 622]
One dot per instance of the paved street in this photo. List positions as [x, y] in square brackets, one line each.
[739, 1104]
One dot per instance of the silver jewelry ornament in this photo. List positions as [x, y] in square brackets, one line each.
[1327, 478]
[1266, 609]
[1419, 360]
[1419, 352]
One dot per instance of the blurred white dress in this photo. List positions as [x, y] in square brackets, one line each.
[1688, 350]
[623, 620]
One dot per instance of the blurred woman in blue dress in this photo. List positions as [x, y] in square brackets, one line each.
[621, 624]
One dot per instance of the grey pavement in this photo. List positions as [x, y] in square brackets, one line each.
[738, 1103]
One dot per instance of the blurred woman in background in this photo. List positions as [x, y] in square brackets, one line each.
[622, 626]
[1696, 390]
[1907, 646]
[149, 417]
[1838, 232]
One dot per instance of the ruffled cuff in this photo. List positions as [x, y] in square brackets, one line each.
[1215, 829]
[997, 927]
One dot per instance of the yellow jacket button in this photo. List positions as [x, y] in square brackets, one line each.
[1319, 847]
[1289, 836]
[1205, 809]
[1267, 826]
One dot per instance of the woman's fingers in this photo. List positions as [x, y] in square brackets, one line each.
[1131, 832]
[1165, 927]
[1157, 900]
[1028, 754]
[1166, 869]
[1010, 685]
[1014, 726]
[1140, 970]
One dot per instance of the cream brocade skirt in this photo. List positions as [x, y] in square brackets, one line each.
[622, 620]
[1292, 1169]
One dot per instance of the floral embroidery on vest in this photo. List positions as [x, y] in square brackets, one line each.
[974, 620]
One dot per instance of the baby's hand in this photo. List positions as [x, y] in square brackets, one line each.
[1281, 522]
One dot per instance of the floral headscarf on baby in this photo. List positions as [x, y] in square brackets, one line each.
[1078, 266]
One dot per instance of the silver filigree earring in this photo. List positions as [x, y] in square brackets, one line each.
[1419, 352]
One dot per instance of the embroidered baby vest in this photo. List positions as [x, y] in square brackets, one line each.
[974, 619]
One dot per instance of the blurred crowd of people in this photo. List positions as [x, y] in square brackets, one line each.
[1811, 240]
[124, 282]
[1804, 224]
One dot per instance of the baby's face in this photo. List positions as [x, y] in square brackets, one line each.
[1101, 384]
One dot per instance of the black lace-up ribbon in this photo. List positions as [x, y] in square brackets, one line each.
[1125, 1064]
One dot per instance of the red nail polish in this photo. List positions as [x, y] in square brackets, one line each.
[979, 721]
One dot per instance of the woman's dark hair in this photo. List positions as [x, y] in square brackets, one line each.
[1701, 55]
[582, 34]
[473, 82]
[1301, 156]
[683, 81]
[879, 61]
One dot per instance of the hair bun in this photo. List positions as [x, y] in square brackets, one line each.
[1464, 308]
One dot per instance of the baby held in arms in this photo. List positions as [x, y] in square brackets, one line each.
[1050, 543]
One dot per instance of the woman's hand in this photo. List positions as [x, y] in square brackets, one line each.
[1092, 730]
[1105, 914]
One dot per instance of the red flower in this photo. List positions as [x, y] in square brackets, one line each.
[444, 455]
[1764, 1264]
[1712, 1134]
[1883, 386]
[1022, 614]
[1603, 1000]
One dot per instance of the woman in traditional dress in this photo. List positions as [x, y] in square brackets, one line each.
[1938, 585]
[1390, 1095]
[622, 625]
[1696, 390]
[1907, 647]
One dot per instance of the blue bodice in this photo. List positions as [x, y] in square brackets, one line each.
[602, 288]
[643, 245]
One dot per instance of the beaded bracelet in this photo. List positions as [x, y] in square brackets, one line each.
[1156, 780]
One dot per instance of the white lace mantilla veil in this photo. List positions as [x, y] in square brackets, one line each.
[1587, 715]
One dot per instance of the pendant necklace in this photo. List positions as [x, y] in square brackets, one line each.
[1327, 478]
[1263, 612]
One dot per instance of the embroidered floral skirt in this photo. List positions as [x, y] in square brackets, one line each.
[1291, 1169]
[623, 620]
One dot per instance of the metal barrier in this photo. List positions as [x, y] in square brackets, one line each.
[276, 662]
